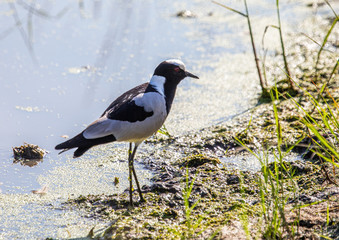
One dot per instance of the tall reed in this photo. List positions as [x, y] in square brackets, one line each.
[256, 59]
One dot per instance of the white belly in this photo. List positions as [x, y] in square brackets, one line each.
[139, 131]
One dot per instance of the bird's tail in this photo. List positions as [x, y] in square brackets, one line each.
[71, 143]
[82, 144]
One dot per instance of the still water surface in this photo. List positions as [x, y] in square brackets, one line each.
[63, 62]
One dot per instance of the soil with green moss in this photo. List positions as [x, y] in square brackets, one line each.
[228, 203]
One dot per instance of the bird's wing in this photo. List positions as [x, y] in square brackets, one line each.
[126, 109]
[126, 97]
[115, 122]
[99, 128]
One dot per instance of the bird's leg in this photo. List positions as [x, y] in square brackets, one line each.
[135, 175]
[130, 164]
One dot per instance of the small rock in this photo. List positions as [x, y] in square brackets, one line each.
[233, 179]
[186, 14]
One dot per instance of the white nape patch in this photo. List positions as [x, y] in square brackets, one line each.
[177, 62]
[158, 83]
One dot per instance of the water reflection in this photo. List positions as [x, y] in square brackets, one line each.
[27, 162]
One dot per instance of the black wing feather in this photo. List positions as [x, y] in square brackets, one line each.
[126, 97]
[129, 112]
[124, 107]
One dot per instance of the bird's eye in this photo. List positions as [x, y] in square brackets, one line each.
[177, 69]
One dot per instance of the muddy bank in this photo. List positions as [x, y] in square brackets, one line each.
[227, 202]
[195, 194]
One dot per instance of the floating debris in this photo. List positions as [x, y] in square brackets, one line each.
[28, 109]
[186, 14]
[77, 70]
[28, 154]
[42, 191]
[65, 136]
[116, 181]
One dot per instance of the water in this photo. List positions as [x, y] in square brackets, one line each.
[62, 64]
[251, 162]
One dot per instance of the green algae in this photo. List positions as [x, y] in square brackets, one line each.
[197, 160]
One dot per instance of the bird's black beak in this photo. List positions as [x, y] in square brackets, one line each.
[188, 74]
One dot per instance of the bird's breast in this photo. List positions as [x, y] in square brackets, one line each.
[140, 130]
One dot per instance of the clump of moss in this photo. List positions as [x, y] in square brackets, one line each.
[197, 160]
[170, 213]
[245, 137]
[28, 151]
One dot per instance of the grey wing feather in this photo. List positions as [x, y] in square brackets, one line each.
[100, 128]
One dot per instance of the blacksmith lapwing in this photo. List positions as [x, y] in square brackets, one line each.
[134, 116]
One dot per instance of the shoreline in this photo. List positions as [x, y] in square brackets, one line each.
[194, 195]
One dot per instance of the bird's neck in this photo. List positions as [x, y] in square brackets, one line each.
[157, 83]
[166, 88]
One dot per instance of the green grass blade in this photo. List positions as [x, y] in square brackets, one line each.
[335, 14]
[325, 41]
[229, 8]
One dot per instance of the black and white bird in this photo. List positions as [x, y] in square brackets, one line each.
[134, 116]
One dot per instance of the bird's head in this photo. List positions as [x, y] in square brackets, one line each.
[173, 70]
